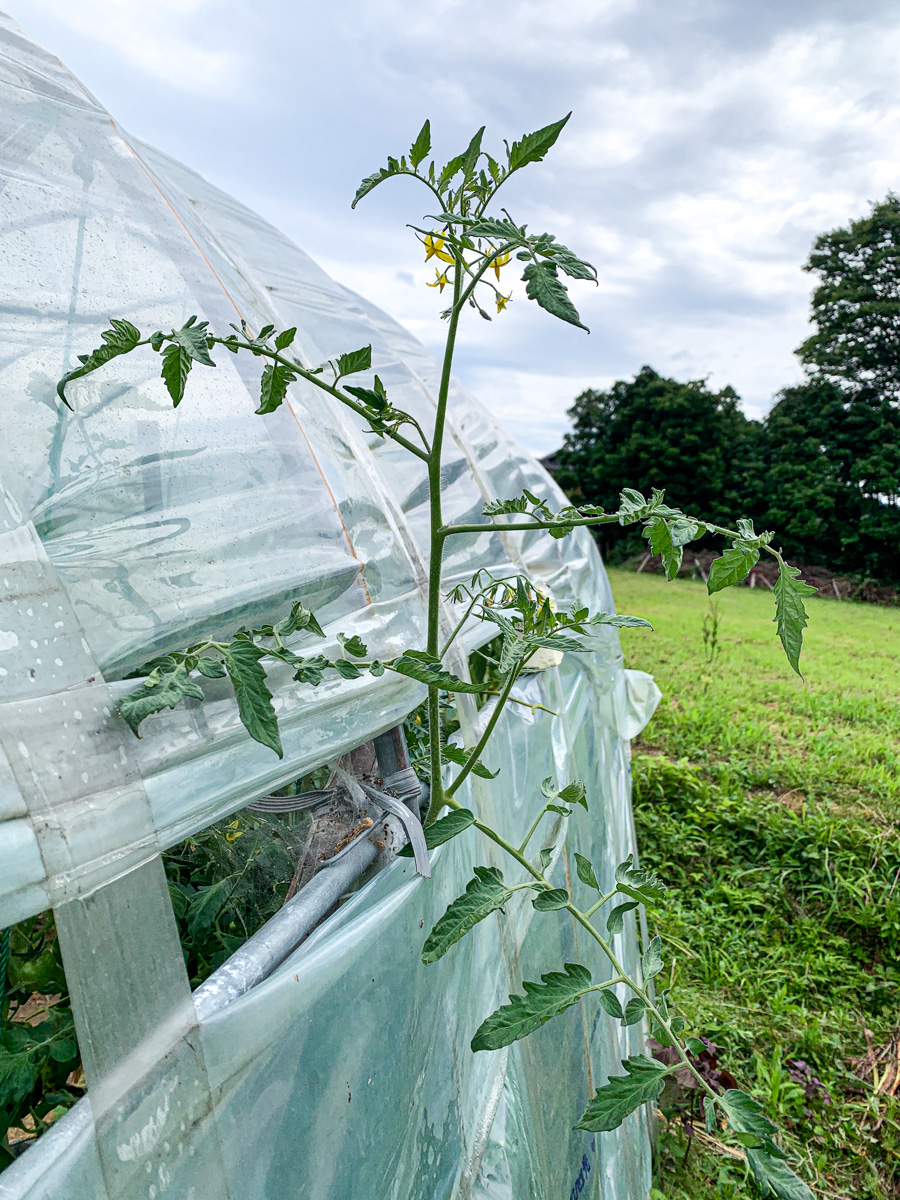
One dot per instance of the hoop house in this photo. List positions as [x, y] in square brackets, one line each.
[128, 527]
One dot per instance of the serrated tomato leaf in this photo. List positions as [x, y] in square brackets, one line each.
[160, 690]
[460, 756]
[532, 147]
[176, 366]
[212, 668]
[659, 535]
[192, 338]
[616, 919]
[421, 147]
[483, 895]
[643, 885]
[299, 618]
[206, 904]
[431, 673]
[543, 285]
[622, 1094]
[652, 962]
[557, 991]
[120, 339]
[586, 872]
[634, 1011]
[733, 566]
[774, 1177]
[273, 387]
[253, 697]
[790, 611]
[354, 361]
[610, 1001]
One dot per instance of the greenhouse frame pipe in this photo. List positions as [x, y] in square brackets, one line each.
[248, 966]
[255, 960]
[283, 933]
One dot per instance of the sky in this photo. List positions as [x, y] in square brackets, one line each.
[710, 142]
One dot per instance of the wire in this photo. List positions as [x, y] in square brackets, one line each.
[4, 964]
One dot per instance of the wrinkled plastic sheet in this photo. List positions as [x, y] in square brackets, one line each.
[129, 527]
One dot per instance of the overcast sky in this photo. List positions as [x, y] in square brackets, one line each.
[710, 141]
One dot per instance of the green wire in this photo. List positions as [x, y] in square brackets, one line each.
[4, 963]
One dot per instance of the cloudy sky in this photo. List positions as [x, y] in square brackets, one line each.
[710, 141]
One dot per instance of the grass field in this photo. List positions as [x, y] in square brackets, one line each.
[771, 806]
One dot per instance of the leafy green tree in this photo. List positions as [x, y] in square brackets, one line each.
[683, 437]
[832, 470]
[834, 443]
[856, 304]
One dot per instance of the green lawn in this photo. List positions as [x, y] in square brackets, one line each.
[771, 804]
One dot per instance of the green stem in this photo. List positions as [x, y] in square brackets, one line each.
[537, 820]
[582, 919]
[422, 179]
[607, 983]
[524, 703]
[602, 519]
[4, 966]
[452, 638]
[643, 994]
[603, 899]
[605, 519]
[437, 800]
[504, 845]
[478, 596]
[310, 377]
[488, 730]
[436, 551]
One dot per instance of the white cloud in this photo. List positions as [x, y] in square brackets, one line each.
[165, 39]
[710, 143]
[532, 406]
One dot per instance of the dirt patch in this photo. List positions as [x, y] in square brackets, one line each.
[793, 799]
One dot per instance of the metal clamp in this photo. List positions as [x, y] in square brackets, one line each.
[410, 822]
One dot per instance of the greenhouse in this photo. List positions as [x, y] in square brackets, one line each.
[312, 1056]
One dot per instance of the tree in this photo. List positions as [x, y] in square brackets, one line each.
[695, 443]
[825, 455]
[856, 304]
[836, 439]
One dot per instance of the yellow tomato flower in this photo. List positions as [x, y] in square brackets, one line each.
[440, 281]
[499, 262]
[502, 301]
[434, 248]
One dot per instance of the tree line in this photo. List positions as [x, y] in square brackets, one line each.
[823, 467]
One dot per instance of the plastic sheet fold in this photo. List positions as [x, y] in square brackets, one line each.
[128, 528]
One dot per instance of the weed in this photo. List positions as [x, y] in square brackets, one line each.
[711, 646]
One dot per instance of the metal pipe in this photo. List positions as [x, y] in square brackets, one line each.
[252, 963]
[396, 769]
[249, 965]
[27, 1170]
[283, 933]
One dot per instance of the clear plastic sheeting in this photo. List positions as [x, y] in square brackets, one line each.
[127, 528]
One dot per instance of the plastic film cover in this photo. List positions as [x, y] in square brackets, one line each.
[127, 528]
